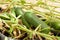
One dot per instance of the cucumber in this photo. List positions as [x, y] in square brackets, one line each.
[35, 21]
[55, 24]
[18, 12]
[25, 22]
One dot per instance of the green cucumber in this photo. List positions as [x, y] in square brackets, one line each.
[25, 22]
[54, 23]
[18, 12]
[35, 21]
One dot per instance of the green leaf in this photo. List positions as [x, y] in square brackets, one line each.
[4, 16]
[13, 12]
